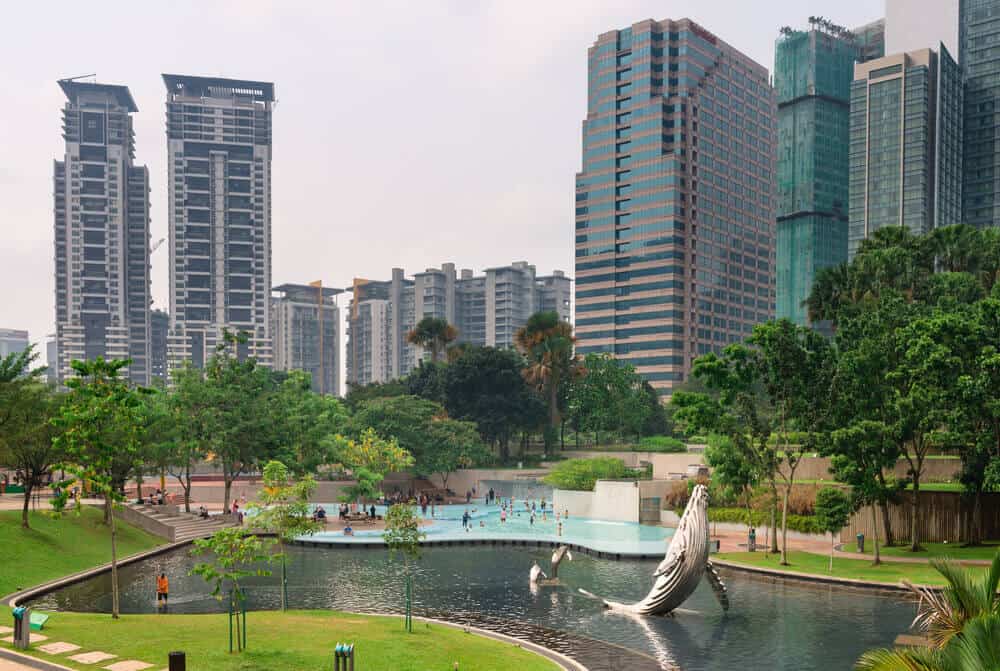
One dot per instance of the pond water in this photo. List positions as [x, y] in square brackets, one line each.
[771, 624]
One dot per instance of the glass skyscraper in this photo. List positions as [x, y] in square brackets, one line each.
[219, 176]
[905, 144]
[101, 233]
[813, 71]
[675, 203]
[979, 55]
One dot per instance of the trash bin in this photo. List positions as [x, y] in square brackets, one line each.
[177, 661]
[22, 627]
[861, 542]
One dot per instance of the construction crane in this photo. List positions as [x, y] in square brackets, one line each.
[156, 245]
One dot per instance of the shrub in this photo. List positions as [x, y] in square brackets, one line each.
[806, 524]
[677, 496]
[662, 444]
[697, 440]
[581, 474]
[802, 500]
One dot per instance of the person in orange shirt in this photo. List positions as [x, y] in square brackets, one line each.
[162, 589]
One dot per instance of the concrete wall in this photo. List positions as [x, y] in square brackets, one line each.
[464, 480]
[153, 526]
[616, 500]
[214, 493]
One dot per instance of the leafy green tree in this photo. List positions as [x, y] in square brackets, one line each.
[455, 444]
[402, 536]
[734, 469]
[583, 474]
[609, 396]
[99, 427]
[235, 555]
[547, 342]
[283, 509]
[369, 451]
[27, 406]
[427, 381]
[433, 334]
[484, 385]
[191, 403]
[403, 418]
[356, 393]
[308, 424]
[833, 510]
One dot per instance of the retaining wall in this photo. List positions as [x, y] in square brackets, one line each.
[615, 500]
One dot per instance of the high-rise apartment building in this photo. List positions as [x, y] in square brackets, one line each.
[13, 341]
[979, 37]
[905, 144]
[487, 310]
[219, 174]
[870, 40]
[813, 71]
[675, 203]
[159, 326]
[303, 339]
[101, 232]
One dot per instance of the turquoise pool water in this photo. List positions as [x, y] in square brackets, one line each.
[446, 525]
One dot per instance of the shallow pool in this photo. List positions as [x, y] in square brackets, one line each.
[772, 624]
[446, 524]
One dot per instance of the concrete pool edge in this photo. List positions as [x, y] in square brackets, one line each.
[796, 576]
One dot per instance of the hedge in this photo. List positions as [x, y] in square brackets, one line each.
[662, 444]
[582, 474]
[806, 524]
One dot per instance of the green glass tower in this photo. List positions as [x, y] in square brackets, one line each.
[813, 70]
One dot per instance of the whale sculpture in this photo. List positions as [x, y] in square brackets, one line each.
[684, 564]
[557, 557]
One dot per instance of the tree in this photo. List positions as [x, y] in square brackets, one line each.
[583, 474]
[26, 433]
[405, 419]
[546, 341]
[734, 469]
[455, 444]
[358, 393]
[833, 510]
[192, 405]
[284, 510]
[484, 385]
[402, 536]
[962, 623]
[100, 423]
[434, 334]
[427, 381]
[378, 455]
[609, 396]
[236, 555]
[308, 422]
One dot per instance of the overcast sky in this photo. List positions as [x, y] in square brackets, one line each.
[406, 133]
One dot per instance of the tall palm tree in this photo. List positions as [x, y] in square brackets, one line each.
[547, 343]
[434, 334]
[831, 290]
[957, 248]
[962, 623]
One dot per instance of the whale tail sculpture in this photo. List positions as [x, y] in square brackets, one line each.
[684, 564]
[557, 557]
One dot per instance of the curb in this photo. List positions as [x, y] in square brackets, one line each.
[31, 662]
[821, 579]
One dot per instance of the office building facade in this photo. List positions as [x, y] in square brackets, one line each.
[101, 233]
[905, 150]
[159, 327]
[305, 323]
[487, 310]
[675, 204]
[979, 41]
[813, 71]
[219, 175]
[13, 341]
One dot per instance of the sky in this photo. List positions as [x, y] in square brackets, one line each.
[406, 134]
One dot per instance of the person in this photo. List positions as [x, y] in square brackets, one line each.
[482, 524]
[320, 514]
[560, 528]
[203, 512]
[503, 516]
[543, 505]
[493, 496]
[432, 509]
[159, 497]
[162, 589]
[465, 519]
[532, 520]
[533, 508]
[566, 514]
[373, 511]
[468, 496]
[348, 531]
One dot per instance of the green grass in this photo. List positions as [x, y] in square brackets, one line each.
[292, 641]
[924, 486]
[931, 550]
[854, 569]
[52, 548]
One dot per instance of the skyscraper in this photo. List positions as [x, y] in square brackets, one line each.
[487, 310]
[813, 71]
[101, 232]
[676, 200]
[979, 33]
[159, 326]
[905, 144]
[13, 341]
[299, 342]
[219, 174]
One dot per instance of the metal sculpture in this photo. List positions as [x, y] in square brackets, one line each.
[684, 564]
[557, 557]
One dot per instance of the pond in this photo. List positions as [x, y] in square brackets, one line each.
[771, 624]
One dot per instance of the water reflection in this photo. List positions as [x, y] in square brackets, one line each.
[778, 625]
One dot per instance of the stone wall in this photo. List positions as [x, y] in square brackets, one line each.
[614, 500]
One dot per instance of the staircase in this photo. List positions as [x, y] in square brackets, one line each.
[173, 524]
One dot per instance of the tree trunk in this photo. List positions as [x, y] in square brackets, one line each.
[284, 578]
[975, 536]
[884, 505]
[915, 518]
[114, 560]
[784, 525]
[774, 518]
[107, 509]
[228, 480]
[878, 558]
[27, 500]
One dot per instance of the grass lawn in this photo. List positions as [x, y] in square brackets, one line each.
[296, 640]
[854, 569]
[943, 550]
[58, 547]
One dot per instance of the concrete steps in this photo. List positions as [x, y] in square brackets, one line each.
[177, 525]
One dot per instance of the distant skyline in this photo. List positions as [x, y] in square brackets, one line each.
[404, 134]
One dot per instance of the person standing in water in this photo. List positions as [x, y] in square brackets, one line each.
[162, 589]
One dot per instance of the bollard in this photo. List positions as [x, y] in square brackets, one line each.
[343, 657]
[22, 627]
[177, 661]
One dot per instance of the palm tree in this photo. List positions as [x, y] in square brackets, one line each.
[433, 333]
[962, 623]
[957, 248]
[831, 290]
[547, 343]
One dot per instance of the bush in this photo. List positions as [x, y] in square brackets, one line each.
[806, 524]
[802, 500]
[581, 474]
[697, 440]
[677, 496]
[662, 444]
